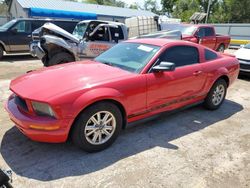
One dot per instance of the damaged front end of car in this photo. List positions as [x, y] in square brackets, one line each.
[53, 39]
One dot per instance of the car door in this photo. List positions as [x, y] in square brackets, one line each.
[20, 36]
[99, 42]
[173, 89]
[207, 37]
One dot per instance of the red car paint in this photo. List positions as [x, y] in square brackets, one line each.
[212, 41]
[70, 88]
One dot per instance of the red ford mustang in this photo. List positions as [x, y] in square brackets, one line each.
[93, 100]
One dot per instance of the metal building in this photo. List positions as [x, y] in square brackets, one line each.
[71, 10]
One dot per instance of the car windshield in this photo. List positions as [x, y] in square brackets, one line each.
[131, 57]
[79, 30]
[188, 30]
[8, 25]
[247, 46]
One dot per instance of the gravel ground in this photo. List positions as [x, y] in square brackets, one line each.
[189, 148]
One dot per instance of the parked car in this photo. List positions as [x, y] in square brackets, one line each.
[91, 101]
[203, 34]
[15, 36]
[243, 55]
[89, 39]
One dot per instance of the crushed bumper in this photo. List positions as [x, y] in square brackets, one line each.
[24, 122]
[36, 50]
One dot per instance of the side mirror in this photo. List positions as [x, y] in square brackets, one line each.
[164, 66]
[14, 30]
[242, 46]
[199, 38]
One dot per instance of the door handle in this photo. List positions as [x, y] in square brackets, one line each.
[197, 73]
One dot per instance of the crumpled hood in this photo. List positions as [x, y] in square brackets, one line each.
[49, 82]
[54, 28]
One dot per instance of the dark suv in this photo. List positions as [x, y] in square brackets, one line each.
[16, 35]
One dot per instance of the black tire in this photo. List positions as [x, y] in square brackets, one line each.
[79, 135]
[60, 58]
[221, 48]
[209, 102]
[8, 185]
[45, 61]
[1, 52]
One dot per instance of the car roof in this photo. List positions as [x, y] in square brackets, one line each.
[46, 19]
[102, 21]
[197, 25]
[160, 41]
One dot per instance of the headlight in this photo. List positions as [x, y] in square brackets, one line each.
[42, 109]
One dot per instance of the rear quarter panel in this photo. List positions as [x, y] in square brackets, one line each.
[222, 39]
[223, 66]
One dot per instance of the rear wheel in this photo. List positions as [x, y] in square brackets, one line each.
[216, 95]
[97, 127]
[60, 58]
[221, 48]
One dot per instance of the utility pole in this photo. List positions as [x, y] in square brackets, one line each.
[208, 9]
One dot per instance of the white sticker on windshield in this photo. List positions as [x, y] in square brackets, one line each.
[145, 48]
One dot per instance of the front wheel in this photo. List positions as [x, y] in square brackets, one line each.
[216, 95]
[97, 127]
[60, 58]
[221, 48]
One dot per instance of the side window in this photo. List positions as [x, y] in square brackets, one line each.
[201, 32]
[102, 34]
[37, 24]
[209, 32]
[209, 55]
[23, 27]
[181, 55]
[116, 33]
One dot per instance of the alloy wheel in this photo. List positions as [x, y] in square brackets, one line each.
[100, 127]
[218, 95]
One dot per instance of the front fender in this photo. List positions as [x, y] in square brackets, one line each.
[95, 95]
[6, 48]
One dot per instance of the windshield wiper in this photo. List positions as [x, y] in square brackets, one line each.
[107, 63]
